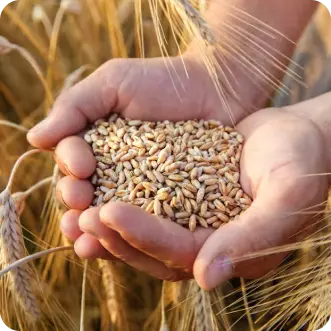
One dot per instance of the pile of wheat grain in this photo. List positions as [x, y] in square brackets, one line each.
[187, 172]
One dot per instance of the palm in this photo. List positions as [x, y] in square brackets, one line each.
[274, 169]
[279, 154]
[144, 89]
[156, 89]
[280, 159]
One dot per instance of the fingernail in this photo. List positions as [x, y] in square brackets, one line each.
[60, 197]
[219, 271]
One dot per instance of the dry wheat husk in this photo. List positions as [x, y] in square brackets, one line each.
[186, 172]
[12, 247]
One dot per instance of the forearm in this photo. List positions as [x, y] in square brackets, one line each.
[256, 53]
[287, 17]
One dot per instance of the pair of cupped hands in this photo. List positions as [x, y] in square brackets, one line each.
[282, 149]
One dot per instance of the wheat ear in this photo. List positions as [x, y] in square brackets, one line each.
[109, 287]
[12, 249]
[197, 20]
[202, 309]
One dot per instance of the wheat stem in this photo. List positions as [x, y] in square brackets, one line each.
[53, 43]
[25, 194]
[25, 30]
[246, 304]
[82, 312]
[29, 58]
[14, 125]
[164, 325]
[16, 166]
[33, 257]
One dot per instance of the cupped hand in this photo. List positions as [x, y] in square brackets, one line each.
[151, 89]
[281, 152]
[283, 167]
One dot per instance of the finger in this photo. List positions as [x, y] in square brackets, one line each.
[164, 240]
[91, 99]
[89, 222]
[75, 157]
[216, 262]
[74, 193]
[69, 225]
[89, 247]
[86, 246]
[270, 222]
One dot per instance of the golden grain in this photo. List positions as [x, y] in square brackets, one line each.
[172, 170]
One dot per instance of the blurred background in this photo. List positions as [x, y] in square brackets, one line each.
[52, 45]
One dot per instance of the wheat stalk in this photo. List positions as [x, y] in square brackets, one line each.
[26, 31]
[83, 300]
[39, 15]
[109, 287]
[33, 257]
[6, 47]
[164, 325]
[66, 6]
[14, 125]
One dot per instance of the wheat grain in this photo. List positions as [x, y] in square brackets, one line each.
[182, 174]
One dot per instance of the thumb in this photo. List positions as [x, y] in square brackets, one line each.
[251, 232]
[271, 221]
[91, 99]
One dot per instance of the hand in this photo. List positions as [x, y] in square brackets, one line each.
[275, 170]
[151, 89]
[283, 152]
[137, 89]
[274, 165]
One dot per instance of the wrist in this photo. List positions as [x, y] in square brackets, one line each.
[234, 87]
[219, 101]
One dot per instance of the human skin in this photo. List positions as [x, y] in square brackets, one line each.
[273, 167]
[283, 148]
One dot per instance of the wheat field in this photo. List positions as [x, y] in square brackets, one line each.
[46, 47]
